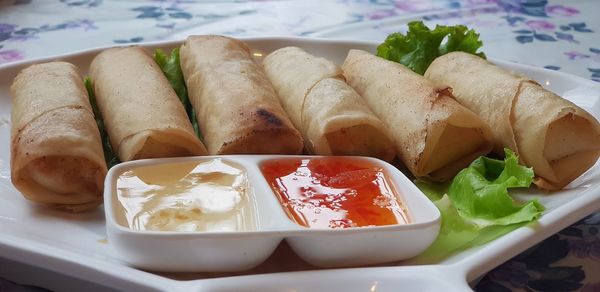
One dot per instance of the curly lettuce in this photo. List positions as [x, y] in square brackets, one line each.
[476, 206]
[421, 45]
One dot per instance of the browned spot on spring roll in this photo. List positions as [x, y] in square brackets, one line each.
[236, 106]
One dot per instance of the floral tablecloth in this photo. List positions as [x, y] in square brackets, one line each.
[558, 35]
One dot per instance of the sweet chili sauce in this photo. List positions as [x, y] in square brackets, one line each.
[334, 192]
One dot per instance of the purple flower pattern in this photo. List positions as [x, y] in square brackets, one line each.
[542, 29]
[11, 32]
[10, 56]
[586, 248]
[593, 54]
[560, 10]
[540, 25]
[574, 55]
[380, 14]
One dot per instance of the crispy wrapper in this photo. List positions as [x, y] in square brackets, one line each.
[56, 150]
[332, 117]
[554, 136]
[144, 118]
[435, 137]
[236, 105]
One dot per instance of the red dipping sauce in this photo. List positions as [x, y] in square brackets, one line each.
[334, 192]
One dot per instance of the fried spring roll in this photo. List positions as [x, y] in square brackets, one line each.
[144, 118]
[332, 117]
[236, 105]
[56, 151]
[435, 137]
[554, 136]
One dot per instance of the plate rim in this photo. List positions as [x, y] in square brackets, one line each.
[330, 41]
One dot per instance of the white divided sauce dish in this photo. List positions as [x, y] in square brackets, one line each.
[225, 251]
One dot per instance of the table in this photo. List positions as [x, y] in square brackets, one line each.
[557, 35]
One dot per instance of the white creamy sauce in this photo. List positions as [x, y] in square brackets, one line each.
[206, 196]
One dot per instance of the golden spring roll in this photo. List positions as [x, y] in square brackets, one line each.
[554, 136]
[434, 135]
[144, 118]
[56, 150]
[332, 117]
[235, 103]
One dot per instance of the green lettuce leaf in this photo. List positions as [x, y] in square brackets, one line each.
[480, 191]
[420, 46]
[476, 207]
[109, 155]
[171, 67]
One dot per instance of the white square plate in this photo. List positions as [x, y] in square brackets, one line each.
[75, 244]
